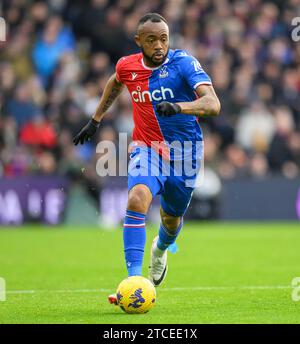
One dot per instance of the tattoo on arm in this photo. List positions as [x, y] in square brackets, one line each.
[115, 91]
[111, 91]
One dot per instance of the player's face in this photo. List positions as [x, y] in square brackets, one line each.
[153, 39]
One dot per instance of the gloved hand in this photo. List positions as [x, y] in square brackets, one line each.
[86, 132]
[167, 109]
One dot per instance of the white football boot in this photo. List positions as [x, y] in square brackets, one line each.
[158, 264]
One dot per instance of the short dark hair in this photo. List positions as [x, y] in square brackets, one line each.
[154, 17]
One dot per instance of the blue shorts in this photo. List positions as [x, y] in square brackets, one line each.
[164, 178]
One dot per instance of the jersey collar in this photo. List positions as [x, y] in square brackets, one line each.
[154, 68]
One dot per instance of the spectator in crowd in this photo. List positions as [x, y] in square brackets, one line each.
[21, 106]
[55, 40]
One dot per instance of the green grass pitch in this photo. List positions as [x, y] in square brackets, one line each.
[223, 273]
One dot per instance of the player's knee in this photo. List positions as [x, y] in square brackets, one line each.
[139, 199]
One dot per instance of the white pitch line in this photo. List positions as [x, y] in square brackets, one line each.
[62, 291]
[228, 287]
[58, 291]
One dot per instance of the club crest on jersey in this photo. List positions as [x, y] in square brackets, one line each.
[163, 73]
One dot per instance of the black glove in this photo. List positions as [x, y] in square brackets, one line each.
[86, 132]
[167, 109]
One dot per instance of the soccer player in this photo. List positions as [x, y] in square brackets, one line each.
[169, 91]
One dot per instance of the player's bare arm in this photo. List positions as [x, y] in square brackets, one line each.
[111, 91]
[207, 104]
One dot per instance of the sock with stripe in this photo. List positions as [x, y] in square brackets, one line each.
[134, 239]
[166, 238]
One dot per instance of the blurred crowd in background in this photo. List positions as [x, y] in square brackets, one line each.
[59, 55]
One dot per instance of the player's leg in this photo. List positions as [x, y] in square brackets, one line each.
[169, 229]
[142, 188]
[174, 202]
[134, 228]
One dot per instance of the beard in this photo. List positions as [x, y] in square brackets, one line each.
[151, 58]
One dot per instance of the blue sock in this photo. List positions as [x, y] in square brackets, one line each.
[165, 238]
[134, 238]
